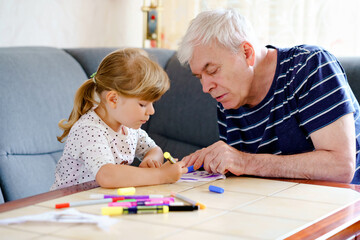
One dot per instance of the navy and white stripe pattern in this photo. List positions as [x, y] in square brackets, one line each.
[309, 91]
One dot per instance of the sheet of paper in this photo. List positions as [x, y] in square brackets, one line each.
[200, 176]
[66, 216]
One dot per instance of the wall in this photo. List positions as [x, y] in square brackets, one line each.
[331, 24]
[71, 23]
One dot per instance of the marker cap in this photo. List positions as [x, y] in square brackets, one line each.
[62, 205]
[190, 169]
[216, 189]
[126, 191]
[201, 206]
[167, 155]
[111, 211]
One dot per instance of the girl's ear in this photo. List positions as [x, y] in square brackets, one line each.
[249, 52]
[112, 98]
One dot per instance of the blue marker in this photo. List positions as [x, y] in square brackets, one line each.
[191, 168]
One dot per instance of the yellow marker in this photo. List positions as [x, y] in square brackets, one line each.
[126, 191]
[111, 211]
[169, 157]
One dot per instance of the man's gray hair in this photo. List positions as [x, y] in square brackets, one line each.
[226, 27]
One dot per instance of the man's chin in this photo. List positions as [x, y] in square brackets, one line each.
[228, 106]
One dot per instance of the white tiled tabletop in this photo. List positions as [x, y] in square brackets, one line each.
[249, 208]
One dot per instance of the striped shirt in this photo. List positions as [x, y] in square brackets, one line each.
[309, 91]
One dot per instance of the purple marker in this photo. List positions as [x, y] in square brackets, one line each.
[99, 196]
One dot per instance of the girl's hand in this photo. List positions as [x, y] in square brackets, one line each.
[172, 172]
[150, 163]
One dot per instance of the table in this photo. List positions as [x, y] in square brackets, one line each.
[250, 208]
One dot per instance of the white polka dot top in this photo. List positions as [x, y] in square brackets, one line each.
[91, 144]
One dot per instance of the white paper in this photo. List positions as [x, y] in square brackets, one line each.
[200, 176]
[66, 216]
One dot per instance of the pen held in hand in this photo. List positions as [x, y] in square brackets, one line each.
[169, 157]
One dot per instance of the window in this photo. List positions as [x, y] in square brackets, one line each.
[331, 24]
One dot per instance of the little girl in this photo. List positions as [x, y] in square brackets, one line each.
[104, 135]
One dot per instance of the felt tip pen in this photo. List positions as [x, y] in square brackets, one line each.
[132, 204]
[168, 199]
[100, 196]
[183, 208]
[113, 211]
[89, 202]
[192, 202]
[139, 203]
[169, 157]
[191, 168]
[143, 202]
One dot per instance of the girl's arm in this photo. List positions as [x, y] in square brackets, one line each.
[115, 176]
[153, 158]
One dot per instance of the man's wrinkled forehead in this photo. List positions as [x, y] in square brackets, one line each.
[203, 57]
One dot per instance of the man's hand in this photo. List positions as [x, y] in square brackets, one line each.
[217, 158]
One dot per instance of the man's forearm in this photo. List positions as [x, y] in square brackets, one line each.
[320, 165]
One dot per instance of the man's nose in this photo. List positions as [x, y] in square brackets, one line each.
[207, 84]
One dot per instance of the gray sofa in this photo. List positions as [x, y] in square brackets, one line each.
[37, 86]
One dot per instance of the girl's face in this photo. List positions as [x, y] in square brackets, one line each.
[132, 112]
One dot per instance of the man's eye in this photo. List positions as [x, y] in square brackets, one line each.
[142, 105]
[213, 71]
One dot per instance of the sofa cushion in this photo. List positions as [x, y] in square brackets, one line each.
[90, 58]
[1, 197]
[37, 86]
[352, 70]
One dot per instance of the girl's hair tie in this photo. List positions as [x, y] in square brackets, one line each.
[93, 77]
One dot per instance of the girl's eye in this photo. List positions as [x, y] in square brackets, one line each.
[142, 105]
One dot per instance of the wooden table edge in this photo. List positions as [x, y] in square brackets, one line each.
[24, 202]
[340, 225]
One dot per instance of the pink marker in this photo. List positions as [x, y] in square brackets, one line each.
[140, 203]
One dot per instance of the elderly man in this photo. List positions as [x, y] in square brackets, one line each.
[282, 112]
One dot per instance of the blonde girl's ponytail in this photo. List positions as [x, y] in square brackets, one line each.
[83, 102]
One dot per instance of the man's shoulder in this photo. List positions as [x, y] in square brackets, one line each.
[297, 51]
[303, 55]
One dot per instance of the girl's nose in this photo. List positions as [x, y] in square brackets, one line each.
[150, 109]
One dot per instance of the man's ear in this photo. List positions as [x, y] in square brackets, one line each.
[112, 98]
[249, 52]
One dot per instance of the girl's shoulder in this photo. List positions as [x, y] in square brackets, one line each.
[90, 121]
